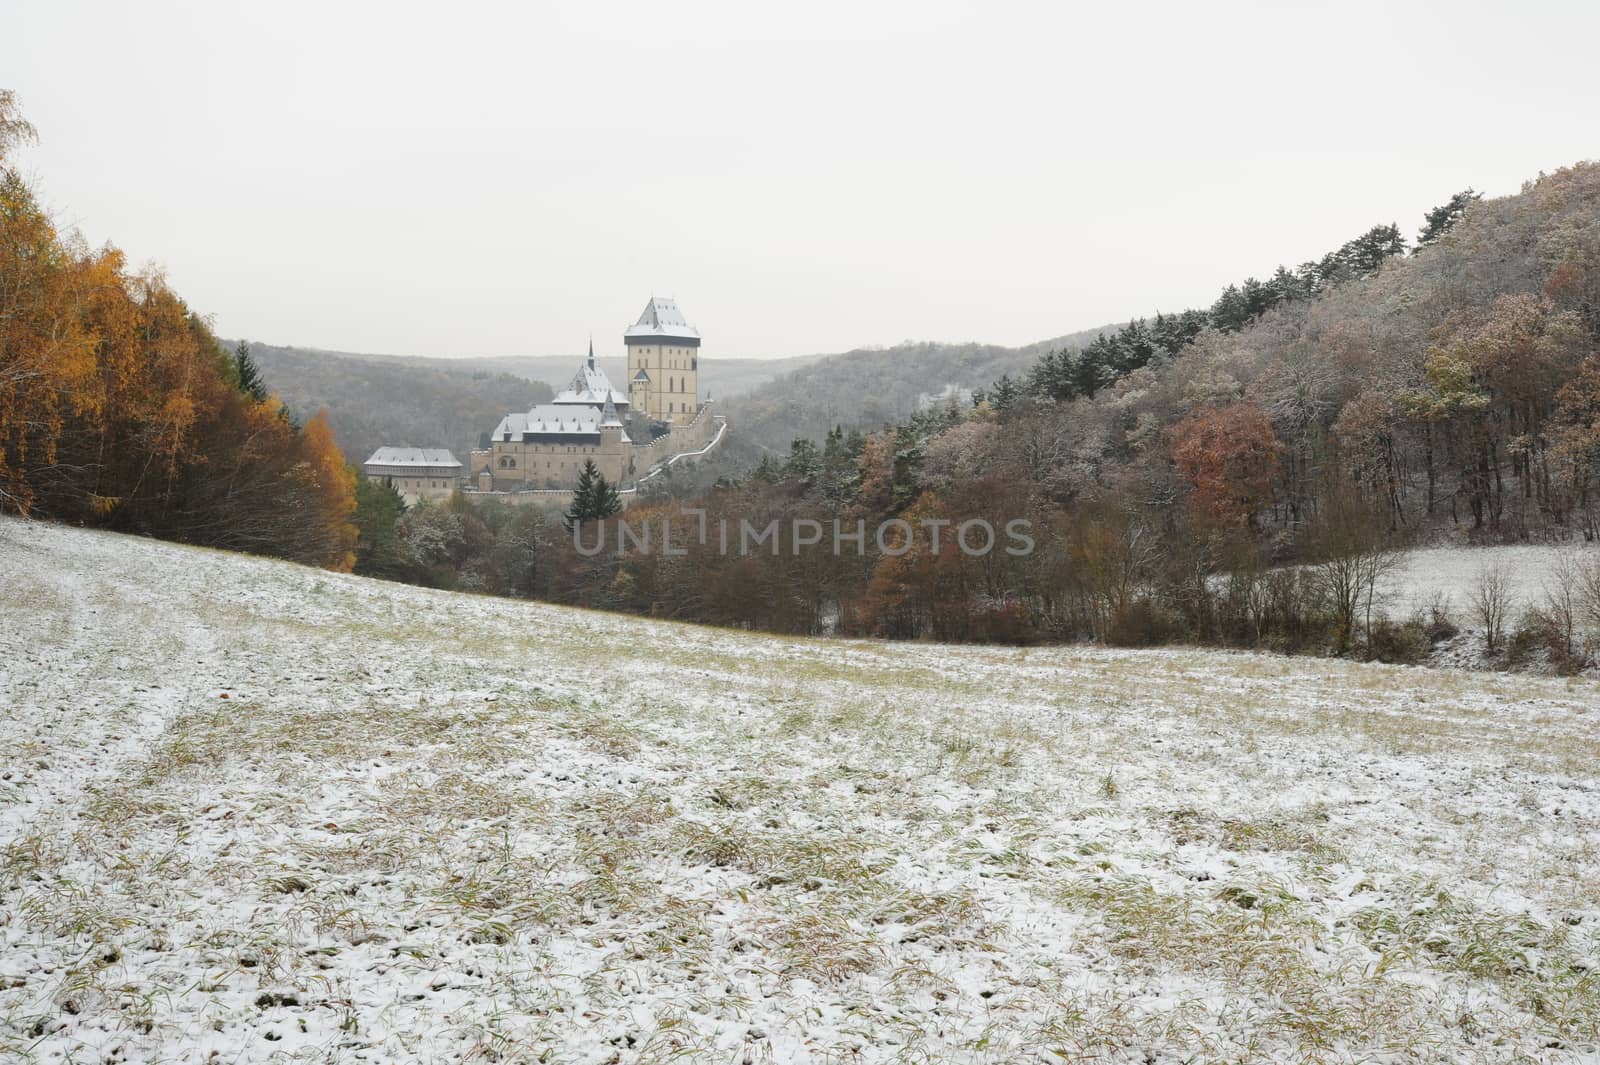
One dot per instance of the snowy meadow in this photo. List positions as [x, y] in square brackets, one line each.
[253, 811]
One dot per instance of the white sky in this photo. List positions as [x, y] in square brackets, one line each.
[501, 179]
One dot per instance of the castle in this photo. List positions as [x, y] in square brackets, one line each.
[541, 451]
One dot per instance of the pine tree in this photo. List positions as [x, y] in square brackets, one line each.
[1005, 394]
[1229, 313]
[378, 549]
[1439, 220]
[249, 375]
[607, 500]
[584, 502]
[804, 463]
[767, 471]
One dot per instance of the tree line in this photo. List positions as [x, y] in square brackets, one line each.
[119, 408]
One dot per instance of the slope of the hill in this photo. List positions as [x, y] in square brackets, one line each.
[257, 811]
[1451, 389]
[374, 402]
[866, 388]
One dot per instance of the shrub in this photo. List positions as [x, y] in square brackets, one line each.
[1439, 626]
[1143, 623]
[982, 621]
[1405, 643]
[1549, 634]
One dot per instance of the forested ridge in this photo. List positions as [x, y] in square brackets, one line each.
[1236, 473]
[119, 408]
[379, 402]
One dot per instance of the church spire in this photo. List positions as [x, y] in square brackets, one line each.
[591, 349]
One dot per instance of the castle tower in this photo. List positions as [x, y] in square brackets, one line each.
[663, 364]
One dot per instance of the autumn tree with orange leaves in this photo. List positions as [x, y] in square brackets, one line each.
[1230, 458]
[118, 407]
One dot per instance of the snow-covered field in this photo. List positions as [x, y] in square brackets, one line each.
[1448, 575]
[251, 811]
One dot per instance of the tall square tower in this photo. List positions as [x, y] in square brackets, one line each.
[663, 363]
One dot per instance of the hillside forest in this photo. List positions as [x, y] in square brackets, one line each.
[392, 402]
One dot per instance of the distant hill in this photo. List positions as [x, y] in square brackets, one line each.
[865, 388]
[377, 400]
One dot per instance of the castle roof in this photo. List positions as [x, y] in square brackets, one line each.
[557, 419]
[662, 320]
[641, 375]
[591, 386]
[428, 457]
[550, 419]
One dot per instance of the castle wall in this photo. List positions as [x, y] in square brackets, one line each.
[515, 465]
[680, 440]
[692, 436]
[415, 485]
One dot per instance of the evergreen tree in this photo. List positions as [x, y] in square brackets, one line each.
[1052, 377]
[1368, 251]
[767, 471]
[248, 374]
[1005, 394]
[607, 499]
[593, 498]
[804, 463]
[1257, 298]
[1438, 221]
[379, 552]
[1229, 313]
[840, 475]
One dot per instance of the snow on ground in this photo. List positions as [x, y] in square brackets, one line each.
[1448, 575]
[251, 811]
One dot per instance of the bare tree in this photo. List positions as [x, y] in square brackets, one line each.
[1564, 598]
[1490, 599]
[14, 129]
[1588, 573]
[1354, 556]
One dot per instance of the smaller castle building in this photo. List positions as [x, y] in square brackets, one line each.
[417, 473]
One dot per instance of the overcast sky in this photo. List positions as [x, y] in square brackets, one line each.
[501, 179]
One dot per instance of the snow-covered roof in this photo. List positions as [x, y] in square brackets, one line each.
[591, 386]
[550, 419]
[412, 456]
[662, 319]
[641, 375]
